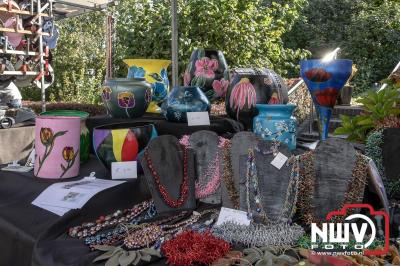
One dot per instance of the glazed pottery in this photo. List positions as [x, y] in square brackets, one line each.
[251, 86]
[85, 138]
[208, 70]
[57, 140]
[121, 142]
[276, 122]
[155, 73]
[126, 98]
[182, 100]
[324, 81]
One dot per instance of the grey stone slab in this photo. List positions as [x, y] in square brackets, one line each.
[273, 182]
[167, 156]
[205, 146]
[240, 143]
[391, 153]
[334, 163]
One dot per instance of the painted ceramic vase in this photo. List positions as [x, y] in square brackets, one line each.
[85, 137]
[324, 81]
[121, 142]
[251, 86]
[126, 98]
[155, 73]
[182, 100]
[276, 122]
[57, 140]
[208, 70]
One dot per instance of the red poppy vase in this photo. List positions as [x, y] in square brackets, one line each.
[207, 69]
[324, 80]
[57, 146]
[251, 86]
[126, 97]
[122, 142]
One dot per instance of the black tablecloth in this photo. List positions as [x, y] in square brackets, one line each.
[23, 225]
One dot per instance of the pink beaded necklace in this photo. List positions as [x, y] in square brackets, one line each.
[212, 171]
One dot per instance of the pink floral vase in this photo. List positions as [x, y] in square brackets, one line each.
[57, 144]
[207, 69]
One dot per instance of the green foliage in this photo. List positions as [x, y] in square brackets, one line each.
[248, 32]
[367, 31]
[79, 52]
[377, 106]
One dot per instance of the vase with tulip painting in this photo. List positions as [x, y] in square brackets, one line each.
[207, 69]
[324, 80]
[126, 98]
[154, 71]
[251, 86]
[57, 146]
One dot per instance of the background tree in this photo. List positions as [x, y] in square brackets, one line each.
[367, 31]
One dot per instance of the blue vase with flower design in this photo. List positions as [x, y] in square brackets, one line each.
[276, 122]
[184, 99]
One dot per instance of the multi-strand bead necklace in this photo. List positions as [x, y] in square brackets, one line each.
[145, 235]
[107, 221]
[212, 173]
[253, 187]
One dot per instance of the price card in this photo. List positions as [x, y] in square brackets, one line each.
[198, 119]
[232, 215]
[124, 170]
[279, 160]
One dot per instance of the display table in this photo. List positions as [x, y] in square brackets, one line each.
[23, 225]
[16, 143]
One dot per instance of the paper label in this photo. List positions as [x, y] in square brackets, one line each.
[124, 170]
[232, 215]
[279, 160]
[198, 119]
[31, 159]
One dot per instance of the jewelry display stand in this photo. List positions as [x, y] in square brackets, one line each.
[330, 176]
[272, 182]
[240, 145]
[166, 154]
[205, 147]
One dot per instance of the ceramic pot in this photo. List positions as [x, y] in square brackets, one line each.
[85, 137]
[276, 122]
[324, 81]
[126, 98]
[121, 142]
[251, 86]
[182, 100]
[155, 73]
[57, 140]
[207, 69]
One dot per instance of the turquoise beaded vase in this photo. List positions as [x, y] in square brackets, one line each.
[276, 122]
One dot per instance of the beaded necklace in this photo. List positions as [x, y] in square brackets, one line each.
[355, 189]
[105, 222]
[212, 173]
[227, 175]
[184, 188]
[252, 185]
[145, 235]
[112, 236]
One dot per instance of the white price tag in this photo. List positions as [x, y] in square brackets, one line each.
[279, 160]
[232, 215]
[198, 119]
[124, 170]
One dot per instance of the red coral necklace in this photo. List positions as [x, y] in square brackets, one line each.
[184, 188]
